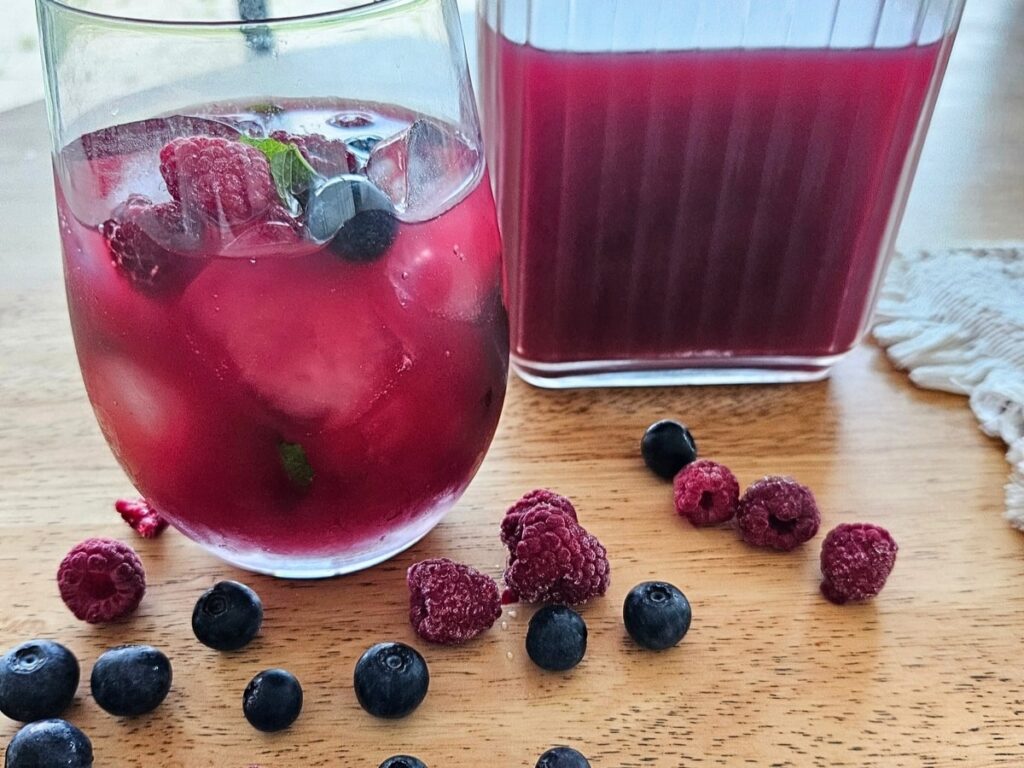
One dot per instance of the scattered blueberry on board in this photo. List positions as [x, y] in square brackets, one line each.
[49, 744]
[403, 761]
[272, 700]
[391, 680]
[657, 615]
[131, 680]
[227, 616]
[667, 446]
[563, 757]
[556, 639]
[38, 680]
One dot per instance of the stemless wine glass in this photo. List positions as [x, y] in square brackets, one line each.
[282, 266]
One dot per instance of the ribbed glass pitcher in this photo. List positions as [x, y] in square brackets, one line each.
[701, 191]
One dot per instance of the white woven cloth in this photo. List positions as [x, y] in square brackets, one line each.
[955, 321]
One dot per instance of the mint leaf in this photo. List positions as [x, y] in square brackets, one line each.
[291, 172]
[268, 109]
[295, 464]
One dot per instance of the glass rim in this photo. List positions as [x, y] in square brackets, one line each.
[361, 7]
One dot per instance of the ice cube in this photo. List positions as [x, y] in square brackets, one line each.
[145, 136]
[137, 409]
[442, 281]
[304, 334]
[425, 169]
[361, 147]
[453, 268]
[99, 170]
[250, 125]
[277, 236]
[267, 239]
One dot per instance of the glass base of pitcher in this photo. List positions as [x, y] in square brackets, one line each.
[668, 373]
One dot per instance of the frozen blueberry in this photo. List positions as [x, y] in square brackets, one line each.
[403, 761]
[354, 216]
[667, 447]
[391, 679]
[557, 638]
[562, 757]
[38, 680]
[131, 680]
[272, 700]
[49, 744]
[227, 616]
[657, 615]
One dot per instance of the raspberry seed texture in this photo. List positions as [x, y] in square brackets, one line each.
[706, 493]
[777, 513]
[101, 580]
[451, 603]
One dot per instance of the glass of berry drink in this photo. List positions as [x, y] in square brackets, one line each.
[282, 266]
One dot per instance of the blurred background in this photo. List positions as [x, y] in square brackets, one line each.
[21, 79]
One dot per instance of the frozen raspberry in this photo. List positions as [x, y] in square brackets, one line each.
[706, 493]
[329, 157]
[451, 603]
[510, 525]
[856, 559]
[777, 513]
[146, 241]
[142, 518]
[101, 580]
[553, 559]
[226, 181]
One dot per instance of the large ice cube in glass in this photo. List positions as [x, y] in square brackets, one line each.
[425, 169]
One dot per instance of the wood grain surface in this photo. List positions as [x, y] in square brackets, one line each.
[929, 674]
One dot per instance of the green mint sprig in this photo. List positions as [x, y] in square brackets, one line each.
[292, 173]
[266, 108]
[296, 464]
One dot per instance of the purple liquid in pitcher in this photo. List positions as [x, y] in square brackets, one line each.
[697, 204]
